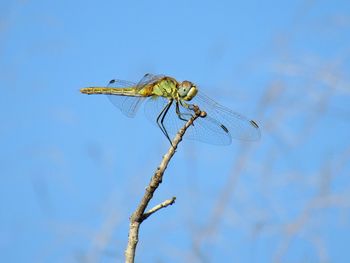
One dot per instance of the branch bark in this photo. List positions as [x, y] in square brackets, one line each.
[139, 214]
[158, 207]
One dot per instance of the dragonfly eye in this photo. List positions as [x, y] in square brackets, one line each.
[183, 90]
[187, 90]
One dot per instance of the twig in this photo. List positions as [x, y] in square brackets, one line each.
[139, 214]
[158, 207]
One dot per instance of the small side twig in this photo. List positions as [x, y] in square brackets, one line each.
[158, 207]
[139, 214]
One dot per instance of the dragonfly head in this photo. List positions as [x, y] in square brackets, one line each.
[187, 90]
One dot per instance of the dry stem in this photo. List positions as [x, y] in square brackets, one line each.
[139, 214]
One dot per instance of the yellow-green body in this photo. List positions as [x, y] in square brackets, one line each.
[166, 87]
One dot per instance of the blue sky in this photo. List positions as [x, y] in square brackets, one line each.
[73, 167]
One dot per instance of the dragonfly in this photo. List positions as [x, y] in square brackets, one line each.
[170, 103]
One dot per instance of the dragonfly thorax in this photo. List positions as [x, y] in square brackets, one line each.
[187, 90]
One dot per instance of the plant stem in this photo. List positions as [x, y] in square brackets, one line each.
[139, 214]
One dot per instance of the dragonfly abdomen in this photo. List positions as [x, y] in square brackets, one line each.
[111, 91]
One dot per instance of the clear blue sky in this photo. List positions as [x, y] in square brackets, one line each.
[72, 167]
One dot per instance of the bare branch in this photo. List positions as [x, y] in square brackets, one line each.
[158, 207]
[139, 214]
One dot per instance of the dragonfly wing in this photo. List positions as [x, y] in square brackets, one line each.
[127, 104]
[238, 126]
[204, 129]
[148, 79]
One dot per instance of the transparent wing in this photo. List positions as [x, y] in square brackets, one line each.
[148, 79]
[204, 129]
[127, 104]
[218, 127]
[238, 126]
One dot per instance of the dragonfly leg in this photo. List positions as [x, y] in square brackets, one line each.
[191, 107]
[179, 114]
[185, 105]
[161, 116]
